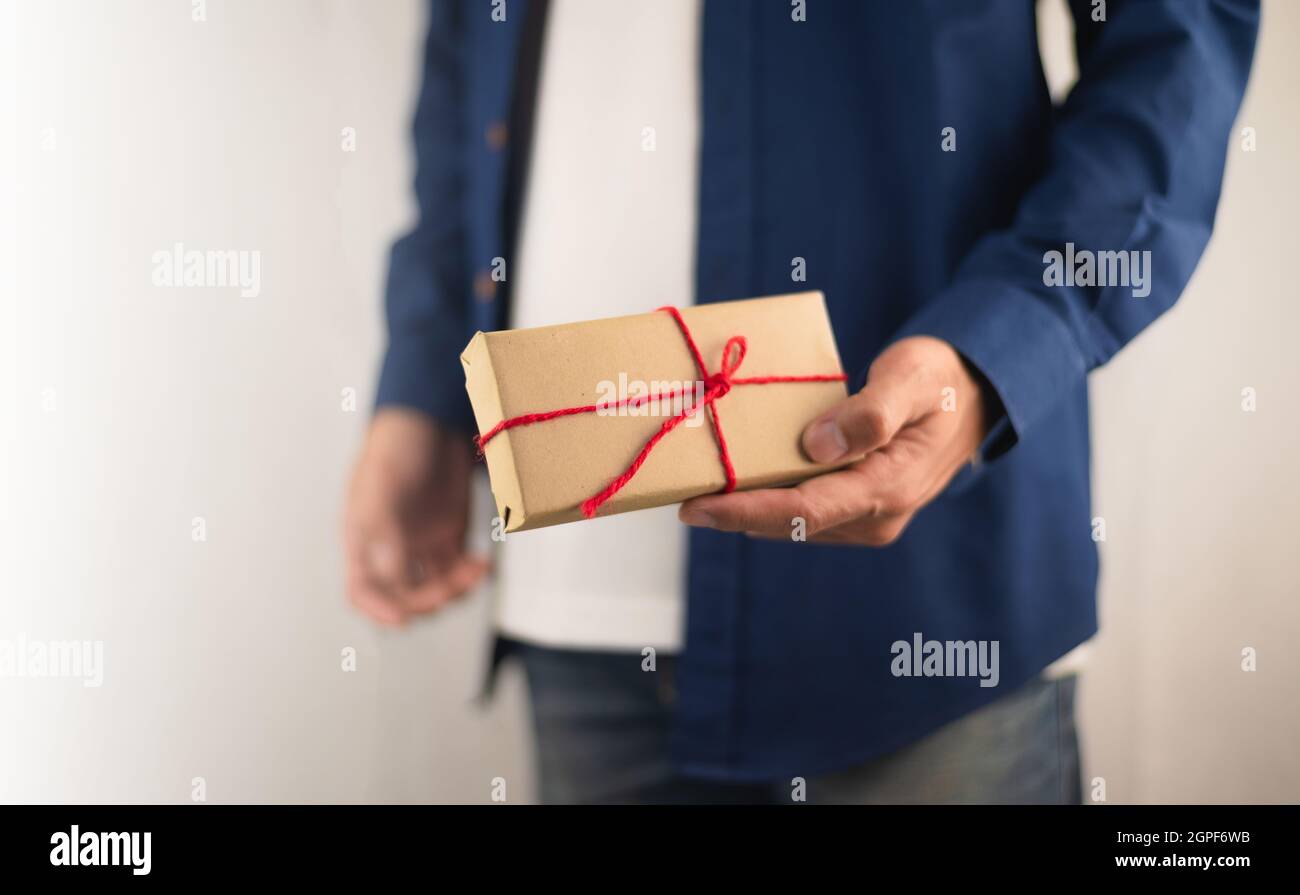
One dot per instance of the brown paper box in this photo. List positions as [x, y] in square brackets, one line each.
[541, 472]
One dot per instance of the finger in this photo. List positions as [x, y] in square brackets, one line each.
[364, 591]
[885, 482]
[385, 556]
[443, 569]
[374, 603]
[445, 586]
[468, 574]
[879, 531]
[893, 397]
[768, 510]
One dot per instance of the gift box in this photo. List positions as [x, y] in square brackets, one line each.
[608, 416]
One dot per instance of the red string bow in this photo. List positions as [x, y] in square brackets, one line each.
[716, 385]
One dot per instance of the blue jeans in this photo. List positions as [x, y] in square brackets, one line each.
[603, 724]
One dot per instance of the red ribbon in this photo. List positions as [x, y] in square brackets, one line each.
[715, 386]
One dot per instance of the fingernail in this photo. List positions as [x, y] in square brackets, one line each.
[825, 442]
[699, 518]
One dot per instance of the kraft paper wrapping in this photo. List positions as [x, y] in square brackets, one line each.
[540, 473]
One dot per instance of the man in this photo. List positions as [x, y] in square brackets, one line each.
[904, 158]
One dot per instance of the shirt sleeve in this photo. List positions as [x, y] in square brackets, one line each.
[1136, 164]
[426, 295]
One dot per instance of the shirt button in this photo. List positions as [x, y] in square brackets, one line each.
[485, 288]
[496, 136]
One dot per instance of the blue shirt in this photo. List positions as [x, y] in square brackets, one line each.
[910, 153]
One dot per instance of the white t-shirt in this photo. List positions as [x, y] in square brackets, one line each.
[609, 223]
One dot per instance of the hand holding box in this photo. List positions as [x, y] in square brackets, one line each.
[633, 412]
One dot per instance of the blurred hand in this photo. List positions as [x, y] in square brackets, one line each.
[911, 434]
[404, 528]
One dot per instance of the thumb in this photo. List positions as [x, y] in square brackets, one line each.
[868, 420]
[386, 555]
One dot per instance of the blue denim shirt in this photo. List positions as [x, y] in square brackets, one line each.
[910, 154]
